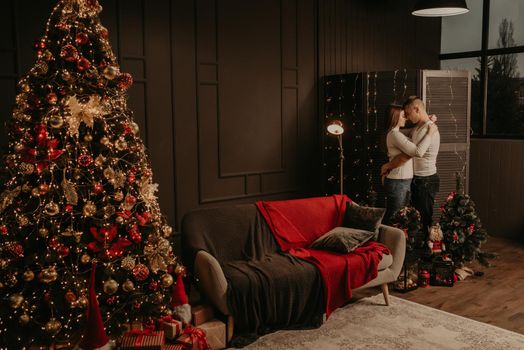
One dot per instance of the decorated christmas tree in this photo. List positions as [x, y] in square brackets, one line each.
[408, 220]
[79, 195]
[463, 231]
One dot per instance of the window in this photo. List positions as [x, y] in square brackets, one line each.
[496, 65]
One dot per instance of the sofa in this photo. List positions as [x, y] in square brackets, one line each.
[231, 248]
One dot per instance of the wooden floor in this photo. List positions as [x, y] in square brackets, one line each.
[496, 298]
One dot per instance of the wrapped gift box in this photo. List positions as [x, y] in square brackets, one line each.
[143, 340]
[201, 314]
[172, 328]
[215, 334]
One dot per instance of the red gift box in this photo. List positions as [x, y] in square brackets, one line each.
[143, 339]
[201, 314]
[192, 338]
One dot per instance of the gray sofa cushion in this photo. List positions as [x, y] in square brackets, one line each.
[342, 239]
[363, 218]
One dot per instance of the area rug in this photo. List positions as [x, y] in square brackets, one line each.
[369, 324]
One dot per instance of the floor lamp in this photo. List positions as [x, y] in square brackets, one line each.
[336, 128]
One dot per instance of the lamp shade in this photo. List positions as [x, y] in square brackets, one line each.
[335, 127]
[440, 8]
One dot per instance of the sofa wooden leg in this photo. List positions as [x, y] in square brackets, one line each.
[385, 291]
[230, 327]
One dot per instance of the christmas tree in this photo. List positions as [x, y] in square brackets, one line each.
[79, 194]
[463, 231]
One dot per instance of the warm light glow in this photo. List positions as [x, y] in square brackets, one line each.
[440, 12]
[335, 127]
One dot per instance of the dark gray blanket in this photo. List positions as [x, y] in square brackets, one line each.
[267, 289]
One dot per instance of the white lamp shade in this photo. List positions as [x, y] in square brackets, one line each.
[335, 127]
[440, 8]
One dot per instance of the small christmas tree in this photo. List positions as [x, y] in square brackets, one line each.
[79, 195]
[463, 231]
[408, 220]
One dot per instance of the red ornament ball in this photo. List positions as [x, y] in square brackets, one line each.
[104, 33]
[69, 53]
[15, 249]
[137, 306]
[111, 300]
[125, 81]
[98, 188]
[130, 199]
[82, 38]
[85, 160]
[52, 98]
[40, 45]
[131, 178]
[3, 230]
[63, 251]
[83, 64]
[70, 296]
[153, 286]
[140, 272]
[68, 208]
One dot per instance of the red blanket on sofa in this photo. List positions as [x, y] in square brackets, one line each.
[297, 223]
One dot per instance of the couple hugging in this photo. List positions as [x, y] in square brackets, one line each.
[412, 160]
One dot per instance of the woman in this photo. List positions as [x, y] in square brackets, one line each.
[398, 181]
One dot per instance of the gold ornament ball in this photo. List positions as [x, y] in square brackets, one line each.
[3, 264]
[89, 209]
[180, 270]
[35, 192]
[104, 141]
[110, 287]
[43, 188]
[121, 144]
[109, 210]
[53, 326]
[158, 298]
[56, 121]
[16, 300]
[51, 209]
[119, 196]
[88, 138]
[119, 220]
[82, 302]
[24, 319]
[19, 147]
[135, 128]
[111, 72]
[28, 275]
[85, 259]
[48, 275]
[167, 280]
[27, 169]
[128, 286]
[25, 87]
[99, 161]
[66, 76]
[167, 230]
[43, 232]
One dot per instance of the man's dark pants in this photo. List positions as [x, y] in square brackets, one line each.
[423, 192]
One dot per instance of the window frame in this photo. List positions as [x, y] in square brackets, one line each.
[484, 53]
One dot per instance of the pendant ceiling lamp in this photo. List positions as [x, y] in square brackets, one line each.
[440, 8]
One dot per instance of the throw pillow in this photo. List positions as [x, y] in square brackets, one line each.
[363, 218]
[342, 239]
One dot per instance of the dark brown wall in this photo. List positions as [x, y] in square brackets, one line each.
[497, 185]
[225, 91]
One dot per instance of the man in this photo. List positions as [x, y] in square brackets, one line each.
[426, 183]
